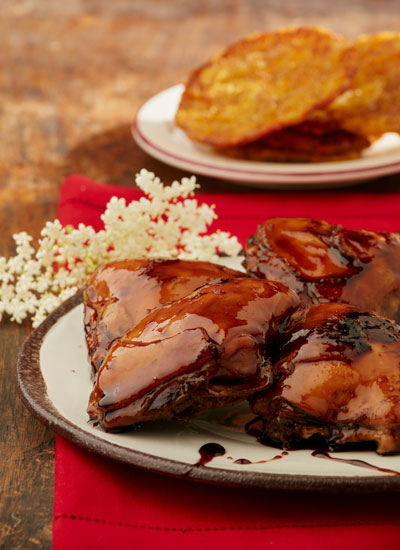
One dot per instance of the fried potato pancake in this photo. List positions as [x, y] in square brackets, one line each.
[309, 141]
[372, 105]
[263, 83]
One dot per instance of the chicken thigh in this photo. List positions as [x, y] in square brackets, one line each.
[328, 263]
[336, 379]
[121, 293]
[208, 349]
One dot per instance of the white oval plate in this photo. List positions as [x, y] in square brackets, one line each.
[53, 377]
[155, 132]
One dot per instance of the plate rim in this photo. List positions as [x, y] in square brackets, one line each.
[31, 387]
[339, 176]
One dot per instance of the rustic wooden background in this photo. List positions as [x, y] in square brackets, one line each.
[72, 76]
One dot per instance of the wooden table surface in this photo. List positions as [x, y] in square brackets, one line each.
[72, 77]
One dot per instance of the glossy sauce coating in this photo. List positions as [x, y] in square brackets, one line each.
[328, 263]
[337, 376]
[121, 293]
[206, 349]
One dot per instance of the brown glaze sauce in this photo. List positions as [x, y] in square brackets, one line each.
[216, 332]
[305, 245]
[353, 462]
[324, 262]
[121, 293]
[208, 451]
[211, 450]
[338, 374]
[252, 429]
[246, 461]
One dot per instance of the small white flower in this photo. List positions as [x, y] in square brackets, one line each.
[164, 223]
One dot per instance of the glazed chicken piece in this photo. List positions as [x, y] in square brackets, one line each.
[119, 294]
[208, 349]
[337, 378]
[328, 263]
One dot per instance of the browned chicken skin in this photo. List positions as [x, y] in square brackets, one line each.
[119, 294]
[337, 376]
[204, 350]
[328, 263]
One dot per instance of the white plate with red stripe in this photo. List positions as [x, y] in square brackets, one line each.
[155, 132]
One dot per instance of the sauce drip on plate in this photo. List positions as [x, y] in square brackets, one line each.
[208, 451]
[353, 462]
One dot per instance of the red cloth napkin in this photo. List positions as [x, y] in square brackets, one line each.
[101, 504]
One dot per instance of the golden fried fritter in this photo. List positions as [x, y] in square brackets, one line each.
[372, 105]
[263, 83]
[305, 142]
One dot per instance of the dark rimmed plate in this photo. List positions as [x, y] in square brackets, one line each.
[53, 378]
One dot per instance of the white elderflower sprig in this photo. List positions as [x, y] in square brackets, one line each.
[168, 222]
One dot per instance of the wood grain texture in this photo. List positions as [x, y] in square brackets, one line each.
[72, 75]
